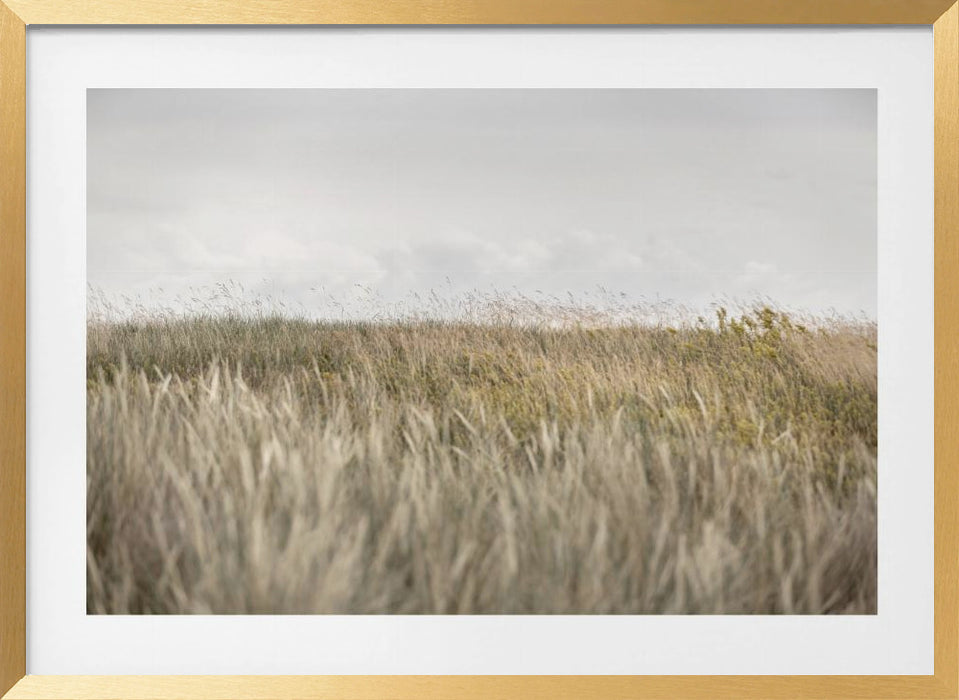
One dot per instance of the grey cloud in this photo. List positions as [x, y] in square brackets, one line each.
[683, 194]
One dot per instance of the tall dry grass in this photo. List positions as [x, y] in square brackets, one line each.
[243, 465]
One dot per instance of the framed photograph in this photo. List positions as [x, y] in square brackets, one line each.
[483, 350]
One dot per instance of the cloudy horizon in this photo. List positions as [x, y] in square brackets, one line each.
[691, 196]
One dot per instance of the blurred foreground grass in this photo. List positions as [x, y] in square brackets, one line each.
[269, 465]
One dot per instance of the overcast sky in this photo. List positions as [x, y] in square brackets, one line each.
[688, 195]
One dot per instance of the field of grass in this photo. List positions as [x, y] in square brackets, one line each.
[272, 465]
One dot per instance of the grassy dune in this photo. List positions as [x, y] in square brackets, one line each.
[282, 466]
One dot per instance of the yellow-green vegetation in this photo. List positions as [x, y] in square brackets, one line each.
[285, 466]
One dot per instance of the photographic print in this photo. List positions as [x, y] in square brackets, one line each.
[481, 351]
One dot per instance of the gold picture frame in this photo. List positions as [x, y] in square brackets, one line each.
[16, 15]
